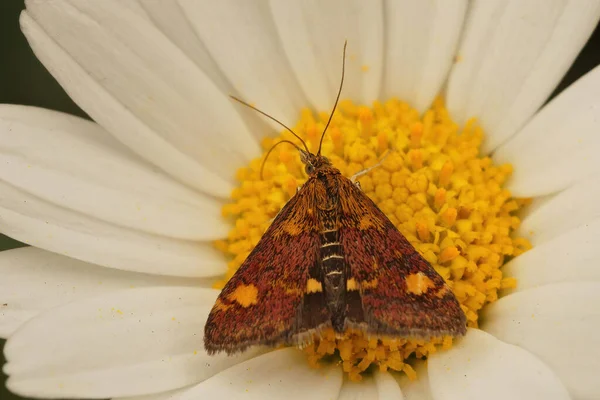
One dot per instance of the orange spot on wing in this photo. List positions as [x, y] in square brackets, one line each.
[244, 295]
[293, 292]
[219, 305]
[369, 284]
[366, 222]
[313, 286]
[292, 228]
[351, 284]
[443, 291]
[418, 283]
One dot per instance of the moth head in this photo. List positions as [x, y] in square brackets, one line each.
[313, 163]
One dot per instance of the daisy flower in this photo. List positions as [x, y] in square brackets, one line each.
[132, 218]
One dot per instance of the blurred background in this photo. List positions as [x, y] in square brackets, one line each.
[23, 80]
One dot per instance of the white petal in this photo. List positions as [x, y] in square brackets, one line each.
[570, 257]
[381, 386]
[313, 34]
[270, 376]
[143, 89]
[481, 367]
[132, 342]
[559, 323]
[33, 221]
[418, 389]
[173, 22]
[573, 207]
[34, 280]
[364, 390]
[421, 39]
[560, 145]
[242, 39]
[387, 386]
[502, 79]
[74, 163]
[168, 395]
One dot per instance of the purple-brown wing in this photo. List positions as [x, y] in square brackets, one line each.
[265, 302]
[399, 292]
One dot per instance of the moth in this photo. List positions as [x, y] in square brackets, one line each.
[330, 259]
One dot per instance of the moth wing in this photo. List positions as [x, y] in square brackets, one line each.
[392, 289]
[265, 302]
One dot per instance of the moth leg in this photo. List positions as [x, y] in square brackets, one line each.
[354, 177]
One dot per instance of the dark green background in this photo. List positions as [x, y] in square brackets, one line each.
[23, 80]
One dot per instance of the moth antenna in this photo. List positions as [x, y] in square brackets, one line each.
[336, 99]
[272, 119]
[262, 166]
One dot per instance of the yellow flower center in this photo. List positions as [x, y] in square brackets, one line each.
[434, 186]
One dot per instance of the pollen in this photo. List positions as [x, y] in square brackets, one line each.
[433, 185]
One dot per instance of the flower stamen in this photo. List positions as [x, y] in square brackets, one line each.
[434, 187]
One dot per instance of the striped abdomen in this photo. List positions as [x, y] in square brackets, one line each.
[334, 272]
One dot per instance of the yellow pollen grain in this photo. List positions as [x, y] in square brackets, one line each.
[445, 174]
[434, 186]
[422, 231]
[245, 295]
[448, 254]
[449, 216]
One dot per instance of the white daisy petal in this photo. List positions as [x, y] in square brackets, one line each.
[33, 221]
[126, 343]
[421, 39]
[313, 33]
[173, 22]
[387, 386]
[564, 211]
[270, 376]
[168, 395]
[135, 82]
[502, 79]
[418, 389]
[561, 143]
[38, 155]
[363, 390]
[258, 68]
[570, 257]
[34, 280]
[381, 386]
[481, 367]
[559, 323]
[171, 19]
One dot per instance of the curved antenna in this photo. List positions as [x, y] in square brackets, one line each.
[271, 118]
[336, 99]
[262, 166]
